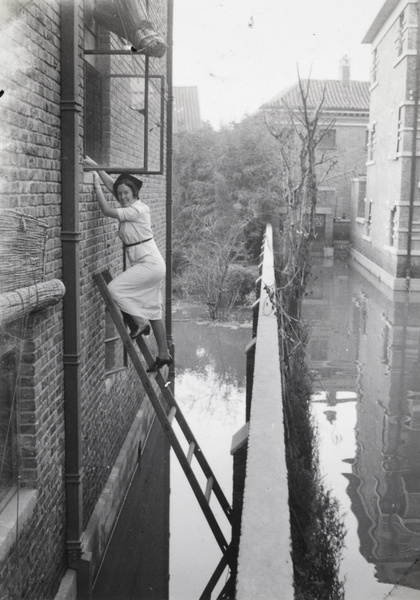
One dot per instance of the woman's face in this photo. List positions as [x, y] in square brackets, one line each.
[125, 195]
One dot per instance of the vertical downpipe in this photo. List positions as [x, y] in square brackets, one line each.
[413, 176]
[169, 184]
[70, 239]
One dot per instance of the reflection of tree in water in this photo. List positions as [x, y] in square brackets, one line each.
[209, 397]
[200, 346]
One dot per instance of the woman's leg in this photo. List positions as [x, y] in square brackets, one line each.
[159, 331]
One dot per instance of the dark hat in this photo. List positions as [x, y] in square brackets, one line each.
[124, 178]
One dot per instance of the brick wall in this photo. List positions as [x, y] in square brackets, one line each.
[30, 153]
[30, 183]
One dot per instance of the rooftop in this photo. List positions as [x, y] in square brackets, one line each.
[339, 96]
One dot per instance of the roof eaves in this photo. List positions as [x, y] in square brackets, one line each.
[380, 20]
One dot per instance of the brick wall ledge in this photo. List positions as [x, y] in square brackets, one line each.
[18, 303]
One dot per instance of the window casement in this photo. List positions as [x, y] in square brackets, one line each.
[363, 314]
[392, 224]
[371, 143]
[361, 203]
[368, 216]
[400, 130]
[124, 104]
[400, 34]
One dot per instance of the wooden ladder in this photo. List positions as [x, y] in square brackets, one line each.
[166, 418]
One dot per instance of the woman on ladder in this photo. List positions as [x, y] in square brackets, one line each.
[136, 291]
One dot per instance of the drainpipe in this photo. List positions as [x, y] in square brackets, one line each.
[70, 239]
[413, 157]
[169, 200]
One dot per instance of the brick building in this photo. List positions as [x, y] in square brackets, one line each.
[345, 113]
[74, 414]
[386, 230]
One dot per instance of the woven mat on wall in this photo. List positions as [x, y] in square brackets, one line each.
[22, 250]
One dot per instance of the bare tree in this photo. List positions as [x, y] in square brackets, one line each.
[300, 131]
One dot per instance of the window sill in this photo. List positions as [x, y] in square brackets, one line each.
[369, 163]
[14, 516]
[360, 220]
[391, 249]
[367, 238]
[402, 56]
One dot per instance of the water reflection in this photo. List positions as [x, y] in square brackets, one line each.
[209, 387]
[365, 354]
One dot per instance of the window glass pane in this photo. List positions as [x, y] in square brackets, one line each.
[123, 107]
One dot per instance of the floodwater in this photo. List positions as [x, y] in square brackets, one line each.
[210, 390]
[365, 354]
[364, 350]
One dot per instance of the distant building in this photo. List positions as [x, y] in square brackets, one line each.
[386, 232]
[187, 116]
[346, 104]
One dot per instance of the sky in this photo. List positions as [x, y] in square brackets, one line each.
[241, 53]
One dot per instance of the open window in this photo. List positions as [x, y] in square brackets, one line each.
[123, 97]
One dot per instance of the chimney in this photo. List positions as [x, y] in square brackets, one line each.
[345, 70]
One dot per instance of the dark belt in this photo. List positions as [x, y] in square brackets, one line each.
[137, 243]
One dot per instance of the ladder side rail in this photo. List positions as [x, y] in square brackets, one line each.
[185, 428]
[214, 579]
[167, 393]
[115, 314]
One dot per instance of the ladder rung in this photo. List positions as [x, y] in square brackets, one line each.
[209, 488]
[190, 452]
[172, 414]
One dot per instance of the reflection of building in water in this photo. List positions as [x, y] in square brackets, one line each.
[332, 344]
[387, 470]
[366, 339]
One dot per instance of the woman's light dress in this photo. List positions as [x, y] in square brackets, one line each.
[137, 291]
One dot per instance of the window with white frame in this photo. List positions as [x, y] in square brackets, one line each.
[400, 34]
[392, 226]
[399, 130]
[374, 70]
[372, 142]
[368, 216]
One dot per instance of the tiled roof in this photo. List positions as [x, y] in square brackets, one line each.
[339, 96]
[186, 113]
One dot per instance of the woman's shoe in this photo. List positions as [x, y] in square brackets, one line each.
[138, 331]
[159, 363]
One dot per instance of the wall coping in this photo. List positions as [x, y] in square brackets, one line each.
[265, 567]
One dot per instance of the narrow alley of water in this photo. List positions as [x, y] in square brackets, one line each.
[364, 351]
[210, 389]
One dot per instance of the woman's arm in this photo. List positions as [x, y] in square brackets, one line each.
[107, 179]
[106, 208]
